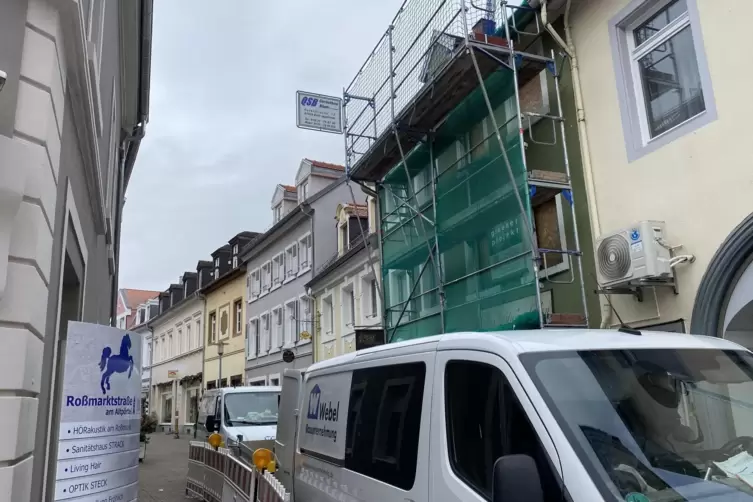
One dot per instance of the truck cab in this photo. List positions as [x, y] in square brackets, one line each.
[546, 415]
[248, 412]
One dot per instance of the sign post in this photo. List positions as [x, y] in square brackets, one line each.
[100, 418]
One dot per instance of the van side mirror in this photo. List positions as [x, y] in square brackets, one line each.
[516, 479]
[211, 424]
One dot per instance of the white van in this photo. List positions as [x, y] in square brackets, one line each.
[249, 412]
[548, 415]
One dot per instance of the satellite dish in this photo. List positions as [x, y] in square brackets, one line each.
[288, 356]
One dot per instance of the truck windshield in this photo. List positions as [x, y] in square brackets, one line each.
[251, 408]
[655, 424]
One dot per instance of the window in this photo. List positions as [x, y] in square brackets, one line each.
[199, 338]
[485, 421]
[253, 338]
[278, 269]
[235, 261]
[664, 82]
[156, 354]
[216, 268]
[277, 212]
[303, 191]
[265, 333]
[266, 276]
[291, 261]
[189, 338]
[213, 327]
[278, 328]
[274, 381]
[238, 315]
[180, 341]
[343, 231]
[304, 253]
[291, 322]
[384, 422]
[236, 380]
[254, 284]
[373, 297]
[550, 234]
[142, 315]
[327, 314]
[348, 307]
[170, 346]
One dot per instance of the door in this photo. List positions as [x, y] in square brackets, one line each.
[480, 413]
[287, 424]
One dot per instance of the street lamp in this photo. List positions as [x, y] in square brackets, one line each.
[220, 351]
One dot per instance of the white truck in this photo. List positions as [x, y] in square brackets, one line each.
[549, 415]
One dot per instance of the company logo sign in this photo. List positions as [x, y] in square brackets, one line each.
[115, 363]
[314, 398]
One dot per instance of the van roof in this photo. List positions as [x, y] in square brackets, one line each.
[540, 340]
[245, 389]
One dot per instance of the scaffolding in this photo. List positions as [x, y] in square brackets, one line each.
[433, 121]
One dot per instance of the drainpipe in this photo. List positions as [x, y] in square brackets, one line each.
[585, 151]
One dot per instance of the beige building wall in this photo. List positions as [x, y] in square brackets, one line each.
[701, 183]
[223, 302]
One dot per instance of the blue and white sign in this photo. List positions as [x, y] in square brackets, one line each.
[100, 417]
[325, 422]
[319, 112]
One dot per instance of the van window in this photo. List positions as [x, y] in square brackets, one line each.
[251, 408]
[384, 421]
[486, 421]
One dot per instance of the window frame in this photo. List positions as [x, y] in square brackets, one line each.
[629, 88]
[305, 241]
[348, 292]
[290, 334]
[266, 284]
[253, 338]
[328, 324]
[278, 265]
[566, 259]
[238, 316]
[290, 261]
[265, 332]
[277, 335]
[306, 307]
[254, 284]
[212, 327]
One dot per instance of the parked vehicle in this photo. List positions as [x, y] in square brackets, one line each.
[546, 415]
[249, 412]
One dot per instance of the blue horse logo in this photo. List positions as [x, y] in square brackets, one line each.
[117, 363]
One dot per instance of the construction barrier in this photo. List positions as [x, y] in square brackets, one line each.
[219, 476]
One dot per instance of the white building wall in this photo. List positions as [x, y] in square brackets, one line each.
[699, 183]
[28, 184]
[186, 359]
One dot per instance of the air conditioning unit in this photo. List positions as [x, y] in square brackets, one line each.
[632, 255]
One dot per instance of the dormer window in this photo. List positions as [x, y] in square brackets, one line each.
[217, 268]
[277, 213]
[303, 191]
[235, 255]
[142, 315]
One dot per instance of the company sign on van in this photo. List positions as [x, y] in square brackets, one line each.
[325, 421]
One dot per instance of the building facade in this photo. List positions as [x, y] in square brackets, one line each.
[660, 102]
[177, 352]
[280, 262]
[143, 306]
[225, 323]
[72, 112]
[346, 287]
[482, 217]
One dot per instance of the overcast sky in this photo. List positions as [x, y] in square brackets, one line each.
[222, 133]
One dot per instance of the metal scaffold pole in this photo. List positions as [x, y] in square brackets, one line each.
[576, 235]
[524, 212]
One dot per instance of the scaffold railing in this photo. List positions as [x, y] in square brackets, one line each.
[434, 119]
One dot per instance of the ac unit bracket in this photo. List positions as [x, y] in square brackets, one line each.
[636, 288]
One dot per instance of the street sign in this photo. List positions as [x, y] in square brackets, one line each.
[319, 112]
[100, 417]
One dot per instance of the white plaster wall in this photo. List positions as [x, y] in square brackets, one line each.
[28, 175]
[700, 184]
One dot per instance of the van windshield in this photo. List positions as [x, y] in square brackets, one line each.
[251, 408]
[655, 424]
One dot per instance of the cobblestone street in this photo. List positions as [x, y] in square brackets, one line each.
[162, 476]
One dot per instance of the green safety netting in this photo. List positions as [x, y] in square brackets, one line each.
[477, 250]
